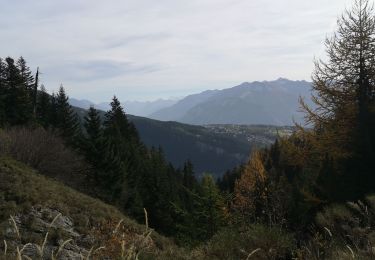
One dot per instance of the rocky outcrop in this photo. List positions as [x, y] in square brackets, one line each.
[45, 233]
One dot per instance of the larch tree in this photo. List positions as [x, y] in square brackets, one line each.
[344, 95]
[250, 191]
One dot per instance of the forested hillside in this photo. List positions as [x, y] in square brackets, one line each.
[111, 163]
[310, 195]
[212, 149]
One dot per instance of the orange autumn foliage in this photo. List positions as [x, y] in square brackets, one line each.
[251, 189]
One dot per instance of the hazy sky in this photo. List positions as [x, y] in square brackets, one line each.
[147, 49]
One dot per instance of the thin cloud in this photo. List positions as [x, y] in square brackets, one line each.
[143, 49]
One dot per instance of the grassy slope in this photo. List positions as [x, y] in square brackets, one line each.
[22, 188]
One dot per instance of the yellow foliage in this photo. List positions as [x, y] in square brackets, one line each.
[250, 188]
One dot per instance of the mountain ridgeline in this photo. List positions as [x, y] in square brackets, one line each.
[138, 108]
[265, 103]
[256, 103]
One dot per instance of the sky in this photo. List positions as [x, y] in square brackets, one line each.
[147, 49]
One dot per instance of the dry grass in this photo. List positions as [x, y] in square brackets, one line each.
[22, 188]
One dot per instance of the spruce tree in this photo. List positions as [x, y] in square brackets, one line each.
[212, 207]
[119, 149]
[93, 145]
[18, 102]
[25, 74]
[66, 119]
[189, 180]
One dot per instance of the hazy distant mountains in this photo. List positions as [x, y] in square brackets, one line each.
[263, 103]
[137, 108]
[266, 102]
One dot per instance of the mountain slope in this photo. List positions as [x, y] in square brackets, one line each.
[44, 209]
[213, 149]
[209, 151]
[267, 102]
[172, 113]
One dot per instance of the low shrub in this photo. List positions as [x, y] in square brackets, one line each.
[257, 241]
[44, 151]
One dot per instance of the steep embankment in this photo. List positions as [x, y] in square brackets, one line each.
[41, 216]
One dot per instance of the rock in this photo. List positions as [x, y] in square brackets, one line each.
[37, 223]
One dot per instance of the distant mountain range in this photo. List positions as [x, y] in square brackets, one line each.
[266, 102]
[137, 108]
[229, 117]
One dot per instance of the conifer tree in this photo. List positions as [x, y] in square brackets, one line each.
[93, 125]
[227, 181]
[25, 74]
[119, 149]
[250, 192]
[66, 119]
[43, 107]
[116, 123]
[344, 94]
[159, 190]
[212, 207]
[18, 103]
[94, 145]
[190, 185]
[2, 73]
[189, 180]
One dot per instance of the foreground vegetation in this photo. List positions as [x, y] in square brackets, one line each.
[308, 196]
[29, 199]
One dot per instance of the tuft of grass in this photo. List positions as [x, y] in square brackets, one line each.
[53, 255]
[5, 247]
[15, 226]
[41, 248]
